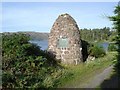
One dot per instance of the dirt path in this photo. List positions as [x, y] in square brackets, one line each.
[0, 78]
[98, 79]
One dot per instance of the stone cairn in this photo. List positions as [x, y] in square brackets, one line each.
[64, 40]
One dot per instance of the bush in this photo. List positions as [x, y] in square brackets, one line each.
[96, 51]
[24, 65]
[112, 47]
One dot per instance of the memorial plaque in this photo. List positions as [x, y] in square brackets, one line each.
[63, 42]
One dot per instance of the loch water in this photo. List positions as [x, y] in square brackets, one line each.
[43, 44]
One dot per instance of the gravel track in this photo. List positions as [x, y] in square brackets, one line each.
[98, 79]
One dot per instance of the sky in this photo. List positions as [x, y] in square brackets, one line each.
[40, 16]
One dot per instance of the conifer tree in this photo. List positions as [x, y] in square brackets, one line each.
[116, 23]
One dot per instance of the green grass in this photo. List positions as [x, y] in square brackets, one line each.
[82, 73]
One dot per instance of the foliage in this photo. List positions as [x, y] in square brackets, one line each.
[24, 65]
[116, 23]
[112, 47]
[112, 37]
[101, 34]
[96, 51]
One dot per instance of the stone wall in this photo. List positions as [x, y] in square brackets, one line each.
[64, 40]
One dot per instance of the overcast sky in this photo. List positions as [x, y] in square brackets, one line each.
[40, 16]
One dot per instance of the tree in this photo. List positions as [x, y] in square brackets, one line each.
[101, 34]
[116, 23]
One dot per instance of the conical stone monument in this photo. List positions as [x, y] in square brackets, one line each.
[64, 40]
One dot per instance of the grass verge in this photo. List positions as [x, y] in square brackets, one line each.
[78, 76]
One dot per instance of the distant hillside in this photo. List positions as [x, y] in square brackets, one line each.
[34, 35]
[38, 35]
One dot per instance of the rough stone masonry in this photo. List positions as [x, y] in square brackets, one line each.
[64, 40]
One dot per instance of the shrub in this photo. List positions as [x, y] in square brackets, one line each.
[24, 65]
[96, 51]
[112, 47]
